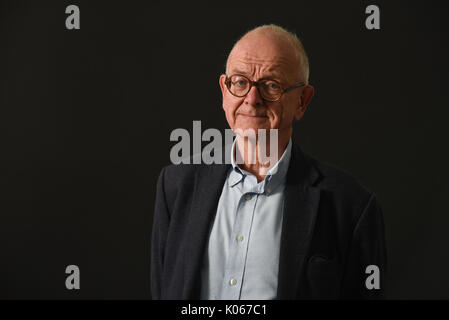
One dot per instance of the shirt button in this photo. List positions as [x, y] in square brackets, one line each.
[233, 282]
[240, 238]
[248, 197]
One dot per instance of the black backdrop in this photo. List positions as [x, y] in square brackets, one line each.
[86, 115]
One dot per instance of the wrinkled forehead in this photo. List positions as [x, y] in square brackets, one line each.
[264, 57]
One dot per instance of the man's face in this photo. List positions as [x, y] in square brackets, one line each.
[260, 57]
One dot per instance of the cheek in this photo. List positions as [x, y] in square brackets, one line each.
[287, 113]
[281, 116]
[230, 105]
[275, 113]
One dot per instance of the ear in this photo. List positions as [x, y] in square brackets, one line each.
[304, 100]
[222, 83]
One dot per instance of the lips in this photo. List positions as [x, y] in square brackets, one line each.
[252, 115]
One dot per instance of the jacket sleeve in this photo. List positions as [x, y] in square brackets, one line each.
[161, 221]
[366, 265]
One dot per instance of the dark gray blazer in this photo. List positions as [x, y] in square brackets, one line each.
[332, 230]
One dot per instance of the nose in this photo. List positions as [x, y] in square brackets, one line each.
[253, 97]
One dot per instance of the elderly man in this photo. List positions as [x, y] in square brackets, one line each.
[293, 228]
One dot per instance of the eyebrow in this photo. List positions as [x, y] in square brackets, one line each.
[234, 71]
[269, 76]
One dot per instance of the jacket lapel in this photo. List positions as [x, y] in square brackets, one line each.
[300, 209]
[209, 183]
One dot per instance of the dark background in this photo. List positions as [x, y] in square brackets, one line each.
[86, 115]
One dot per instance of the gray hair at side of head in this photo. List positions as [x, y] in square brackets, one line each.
[292, 38]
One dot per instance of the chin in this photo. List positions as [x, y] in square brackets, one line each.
[248, 131]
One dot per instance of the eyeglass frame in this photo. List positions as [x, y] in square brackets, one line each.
[256, 84]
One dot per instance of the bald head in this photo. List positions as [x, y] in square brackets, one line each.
[273, 38]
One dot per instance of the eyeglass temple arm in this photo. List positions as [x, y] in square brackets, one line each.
[295, 86]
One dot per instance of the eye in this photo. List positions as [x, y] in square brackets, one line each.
[240, 83]
[272, 85]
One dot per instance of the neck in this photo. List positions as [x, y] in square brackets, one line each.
[258, 156]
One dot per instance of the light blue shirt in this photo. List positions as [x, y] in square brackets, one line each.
[242, 259]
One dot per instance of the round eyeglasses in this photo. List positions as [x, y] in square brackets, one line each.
[269, 90]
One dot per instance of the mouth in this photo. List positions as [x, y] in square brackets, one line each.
[252, 116]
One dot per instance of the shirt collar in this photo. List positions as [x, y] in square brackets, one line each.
[275, 176]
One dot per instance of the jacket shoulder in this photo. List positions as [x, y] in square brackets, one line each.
[337, 179]
[341, 188]
[179, 172]
[179, 177]
[344, 195]
[178, 181]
